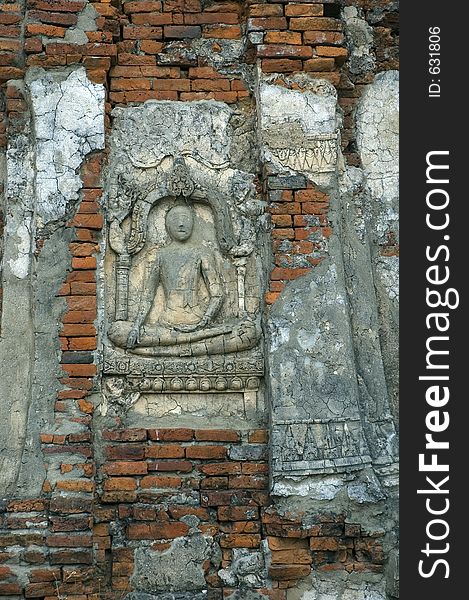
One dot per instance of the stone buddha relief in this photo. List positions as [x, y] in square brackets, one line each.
[184, 313]
[193, 294]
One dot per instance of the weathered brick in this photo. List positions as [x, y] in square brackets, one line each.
[182, 31]
[217, 435]
[206, 452]
[304, 10]
[164, 451]
[281, 65]
[263, 23]
[120, 484]
[125, 452]
[150, 531]
[126, 468]
[142, 33]
[323, 37]
[171, 435]
[125, 435]
[161, 481]
[288, 572]
[283, 37]
[222, 468]
[238, 513]
[183, 466]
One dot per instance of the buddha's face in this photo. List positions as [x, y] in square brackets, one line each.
[180, 222]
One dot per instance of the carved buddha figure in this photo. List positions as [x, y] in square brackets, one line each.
[185, 325]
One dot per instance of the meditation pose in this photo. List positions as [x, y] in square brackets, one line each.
[185, 325]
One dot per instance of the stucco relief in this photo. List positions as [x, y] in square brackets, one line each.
[184, 269]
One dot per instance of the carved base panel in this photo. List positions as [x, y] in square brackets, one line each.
[319, 446]
[215, 374]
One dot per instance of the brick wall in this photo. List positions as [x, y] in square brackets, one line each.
[65, 543]
[78, 539]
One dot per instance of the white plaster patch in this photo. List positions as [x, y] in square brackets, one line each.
[377, 124]
[325, 488]
[69, 124]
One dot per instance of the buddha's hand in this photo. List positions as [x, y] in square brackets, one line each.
[134, 337]
[194, 327]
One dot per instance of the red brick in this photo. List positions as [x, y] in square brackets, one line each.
[10, 589]
[53, 18]
[10, 31]
[149, 47]
[181, 31]
[339, 54]
[227, 32]
[205, 18]
[295, 556]
[163, 481]
[288, 572]
[119, 496]
[120, 484]
[304, 10]
[130, 84]
[145, 71]
[324, 543]
[319, 64]
[152, 19]
[81, 302]
[280, 543]
[69, 541]
[125, 435]
[281, 273]
[181, 85]
[281, 65]
[39, 575]
[88, 221]
[124, 452]
[283, 37]
[223, 468]
[206, 452]
[258, 436]
[46, 30]
[171, 435]
[150, 531]
[75, 485]
[284, 50]
[262, 23]
[79, 370]
[79, 330]
[323, 37]
[266, 10]
[80, 316]
[238, 513]
[142, 33]
[125, 58]
[57, 5]
[183, 466]
[141, 6]
[315, 23]
[126, 468]
[248, 482]
[214, 483]
[217, 435]
[177, 512]
[203, 73]
[32, 45]
[164, 451]
[211, 85]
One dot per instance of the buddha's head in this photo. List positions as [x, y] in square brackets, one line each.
[180, 222]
